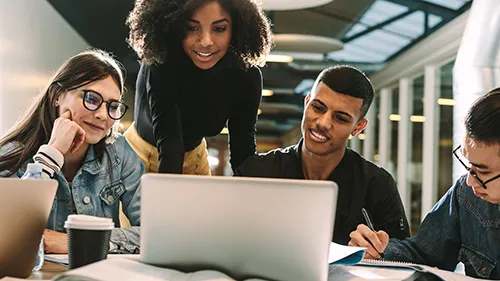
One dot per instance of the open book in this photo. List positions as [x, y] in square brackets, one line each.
[127, 269]
[346, 263]
[130, 268]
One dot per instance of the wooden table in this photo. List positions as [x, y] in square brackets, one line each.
[49, 270]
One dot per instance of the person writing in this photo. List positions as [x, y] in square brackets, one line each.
[199, 71]
[464, 226]
[333, 111]
[71, 131]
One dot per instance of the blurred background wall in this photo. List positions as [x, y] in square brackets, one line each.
[34, 40]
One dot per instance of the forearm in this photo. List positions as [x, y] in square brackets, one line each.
[242, 124]
[162, 97]
[438, 240]
[170, 156]
[168, 135]
[241, 147]
[403, 250]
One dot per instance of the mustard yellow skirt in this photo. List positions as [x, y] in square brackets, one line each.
[195, 161]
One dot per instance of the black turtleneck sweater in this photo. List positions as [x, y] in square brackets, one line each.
[178, 104]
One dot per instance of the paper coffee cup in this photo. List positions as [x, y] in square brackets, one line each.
[88, 239]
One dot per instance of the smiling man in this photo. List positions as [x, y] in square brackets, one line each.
[333, 111]
[464, 226]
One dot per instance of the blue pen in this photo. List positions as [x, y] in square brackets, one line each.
[370, 224]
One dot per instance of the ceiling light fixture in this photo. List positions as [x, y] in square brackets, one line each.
[291, 5]
[413, 118]
[307, 43]
[446, 102]
[267, 93]
[394, 117]
[279, 58]
[417, 118]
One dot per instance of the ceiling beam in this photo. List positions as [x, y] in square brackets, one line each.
[377, 26]
[464, 8]
[416, 40]
[427, 7]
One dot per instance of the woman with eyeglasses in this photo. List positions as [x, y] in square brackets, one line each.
[464, 226]
[199, 72]
[71, 131]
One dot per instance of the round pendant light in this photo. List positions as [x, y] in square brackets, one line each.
[306, 43]
[291, 4]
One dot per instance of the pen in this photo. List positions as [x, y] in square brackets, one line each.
[370, 224]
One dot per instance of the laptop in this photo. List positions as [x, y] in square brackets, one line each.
[274, 229]
[24, 209]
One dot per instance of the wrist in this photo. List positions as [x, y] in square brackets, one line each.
[56, 147]
[51, 159]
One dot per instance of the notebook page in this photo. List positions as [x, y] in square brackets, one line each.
[451, 276]
[340, 254]
[358, 273]
[125, 270]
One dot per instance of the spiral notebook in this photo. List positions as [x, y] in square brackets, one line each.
[394, 264]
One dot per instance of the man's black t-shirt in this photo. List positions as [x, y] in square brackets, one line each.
[361, 184]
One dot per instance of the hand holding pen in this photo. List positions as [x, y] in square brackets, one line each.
[375, 242]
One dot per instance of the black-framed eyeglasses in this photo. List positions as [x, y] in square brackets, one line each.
[471, 172]
[93, 101]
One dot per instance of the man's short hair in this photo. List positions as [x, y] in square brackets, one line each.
[482, 122]
[348, 80]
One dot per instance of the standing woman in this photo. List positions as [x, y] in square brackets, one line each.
[199, 71]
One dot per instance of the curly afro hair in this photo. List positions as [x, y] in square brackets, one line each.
[157, 28]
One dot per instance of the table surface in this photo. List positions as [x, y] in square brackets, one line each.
[49, 270]
[336, 272]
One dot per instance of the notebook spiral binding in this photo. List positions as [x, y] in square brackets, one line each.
[382, 262]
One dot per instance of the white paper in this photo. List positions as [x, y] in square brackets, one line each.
[339, 252]
[63, 258]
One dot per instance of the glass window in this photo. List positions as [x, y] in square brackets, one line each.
[388, 26]
[452, 4]
[415, 168]
[393, 163]
[445, 129]
[376, 128]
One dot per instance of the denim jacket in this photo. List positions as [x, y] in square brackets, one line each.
[460, 228]
[96, 192]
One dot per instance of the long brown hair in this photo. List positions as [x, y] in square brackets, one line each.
[35, 128]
